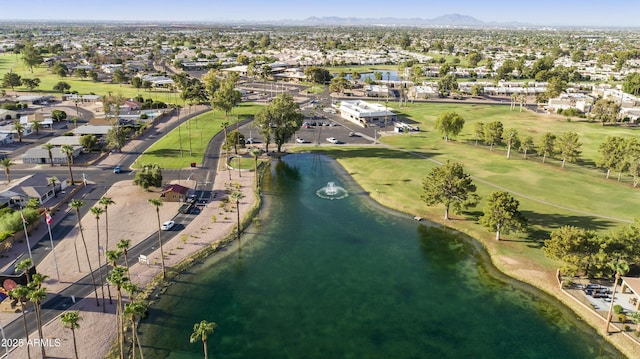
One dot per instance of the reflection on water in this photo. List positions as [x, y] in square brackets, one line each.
[342, 279]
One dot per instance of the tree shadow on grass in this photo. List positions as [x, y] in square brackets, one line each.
[379, 153]
[540, 223]
[166, 152]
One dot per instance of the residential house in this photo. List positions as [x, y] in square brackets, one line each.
[19, 191]
[175, 193]
[39, 155]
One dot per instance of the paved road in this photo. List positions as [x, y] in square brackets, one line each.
[104, 179]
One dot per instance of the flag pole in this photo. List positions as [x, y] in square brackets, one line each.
[49, 220]
[26, 235]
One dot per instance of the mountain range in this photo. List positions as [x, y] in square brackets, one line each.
[444, 20]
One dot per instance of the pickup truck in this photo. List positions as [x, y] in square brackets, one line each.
[186, 208]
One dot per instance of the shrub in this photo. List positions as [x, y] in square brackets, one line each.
[618, 309]
[622, 318]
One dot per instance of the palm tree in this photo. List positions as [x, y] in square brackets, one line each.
[158, 203]
[133, 311]
[97, 211]
[620, 267]
[76, 204]
[106, 202]
[235, 197]
[70, 320]
[37, 126]
[118, 278]
[68, 150]
[255, 153]
[24, 266]
[19, 128]
[123, 246]
[51, 181]
[201, 331]
[49, 147]
[7, 163]
[20, 294]
[36, 296]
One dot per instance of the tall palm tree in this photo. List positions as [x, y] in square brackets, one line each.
[36, 296]
[255, 153]
[117, 277]
[49, 147]
[133, 311]
[24, 266]
[620, 267]
[7, 163]
[201, 331]
[76, 204]
[236, 196]
[19, 128]
[51, 181]
[68, 150]
[158, 203]
[20, 294]
[70, 320]
[106, 202]
[123, 246]
[97, 211]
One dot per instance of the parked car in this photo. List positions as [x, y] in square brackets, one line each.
[117, 169]
[250, 140]
[333, 140]
[300, 140]
[167, 225]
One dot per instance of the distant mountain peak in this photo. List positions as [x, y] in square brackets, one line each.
[444, 20]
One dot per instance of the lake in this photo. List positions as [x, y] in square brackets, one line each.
[344, 278]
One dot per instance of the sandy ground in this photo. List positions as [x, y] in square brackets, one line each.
[132, 217]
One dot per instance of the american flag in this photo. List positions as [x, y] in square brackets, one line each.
[48, 217]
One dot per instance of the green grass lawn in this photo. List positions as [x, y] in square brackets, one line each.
[549, 196]
[9, 62]
[194, 136]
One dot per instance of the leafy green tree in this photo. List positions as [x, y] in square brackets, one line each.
[119, 76]
[555, 86]
[612, 154]
[30, 83]
[11, 79]
[226, 97]
[568, 145]
[81, 73]
[148, 176]
[547, 145]
[60, 69]
[89, 142]
[493, 133]
[157, 204]
[605, 110]
[449, 124]
[338, 84]
[136, 82]
[117, 137]
[201, 331]
[283, 117]
[449, 185]
[447, 84]
[577, 248]
[212, 82]
[478, 131]
[317, 74]
[61, 87]
[474, 58]
[527, 145]
[30, 56]
[631, 84]
[58, 115]
[70, 320]
[501, 214]
[512, 141]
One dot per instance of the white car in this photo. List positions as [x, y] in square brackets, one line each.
[167, 225]
[250, 140]
[300, 140]
[333, 140]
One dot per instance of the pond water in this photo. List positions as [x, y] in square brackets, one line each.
[343, 278]
[386, 75]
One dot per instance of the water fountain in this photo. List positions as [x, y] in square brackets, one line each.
[331, 191]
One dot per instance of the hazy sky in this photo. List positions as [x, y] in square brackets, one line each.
[542, 12]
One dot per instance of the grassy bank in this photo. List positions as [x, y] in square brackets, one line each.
[193, 137]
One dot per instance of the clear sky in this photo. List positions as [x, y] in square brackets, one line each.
[541, 12]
